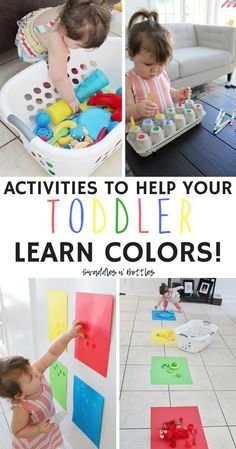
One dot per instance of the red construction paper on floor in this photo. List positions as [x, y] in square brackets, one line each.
[190, 415]
[94, 311]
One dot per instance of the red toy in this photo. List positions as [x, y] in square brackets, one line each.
[112, 100]
[175, 430]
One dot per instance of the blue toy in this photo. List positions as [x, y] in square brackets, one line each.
[96, 81]
[42, 119]
[94, 119]
[112, 125]
[43, 132]
[119, 91]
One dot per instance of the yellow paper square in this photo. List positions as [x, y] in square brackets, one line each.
[57, 313]
[163, 336]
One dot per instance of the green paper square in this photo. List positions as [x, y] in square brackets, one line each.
[161, 376]
[58, 382]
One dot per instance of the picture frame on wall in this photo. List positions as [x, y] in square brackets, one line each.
[188, 285]
[204, 287]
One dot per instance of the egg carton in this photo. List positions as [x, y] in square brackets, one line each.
[152, 135]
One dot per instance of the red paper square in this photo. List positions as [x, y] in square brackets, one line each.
[190, 415]
[94, 311]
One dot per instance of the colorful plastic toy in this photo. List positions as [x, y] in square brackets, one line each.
[96, 81]
[112, 125]
[93, 120]
[175, 429]
[61, 133]
[168, 334]
[42, 119]
[59, 111]
[46, 132]
[110, 99]
[118, 6]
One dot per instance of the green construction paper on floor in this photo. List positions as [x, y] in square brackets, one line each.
[58, 382]
[167, 376]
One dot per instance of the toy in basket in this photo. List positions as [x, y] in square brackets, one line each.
[31, 91]
[154, 134]
[195, 335]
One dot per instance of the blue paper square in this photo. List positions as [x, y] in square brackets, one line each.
[163, 315]
[87, 410]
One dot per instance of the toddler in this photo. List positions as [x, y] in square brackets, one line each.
[169, 295]
[31, 397]
[147, 84]
[49, 33]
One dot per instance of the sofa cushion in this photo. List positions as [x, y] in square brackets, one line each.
[183, 34]
[194, 60]
[173, 70]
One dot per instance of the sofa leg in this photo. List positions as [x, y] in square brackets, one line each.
[229, 76]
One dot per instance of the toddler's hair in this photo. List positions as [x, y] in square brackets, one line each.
[150, 36]
[86, 19]
[163, 288]
[11, 368]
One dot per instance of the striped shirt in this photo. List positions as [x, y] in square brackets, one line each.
[158, 87]
[40, 409]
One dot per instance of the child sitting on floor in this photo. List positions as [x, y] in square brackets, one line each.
[169, 295]
[49, 33]
[31, 396]
[148, 88]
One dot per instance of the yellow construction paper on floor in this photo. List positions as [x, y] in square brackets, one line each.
[163, 336]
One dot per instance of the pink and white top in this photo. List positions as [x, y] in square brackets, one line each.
[158, 86]
[40, 409]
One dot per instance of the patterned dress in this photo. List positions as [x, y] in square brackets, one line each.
[40, 409]
[158, 86]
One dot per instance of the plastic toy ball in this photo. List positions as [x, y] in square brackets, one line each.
[42, 119]
[46, 132]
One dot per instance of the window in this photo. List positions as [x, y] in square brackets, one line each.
[191, 11]
[170, 11]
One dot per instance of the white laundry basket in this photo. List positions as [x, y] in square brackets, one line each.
[31, 91]
[195, 335]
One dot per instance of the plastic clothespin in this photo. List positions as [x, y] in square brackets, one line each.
[133, 125]
[180, 101]
[151, 97]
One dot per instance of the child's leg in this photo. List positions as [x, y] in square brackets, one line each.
[165, 304]
[178, 306]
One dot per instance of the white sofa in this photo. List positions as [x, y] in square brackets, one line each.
[201, 53]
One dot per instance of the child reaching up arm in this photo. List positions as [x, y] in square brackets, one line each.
[49, 34]
[31, 397]
[147, 84]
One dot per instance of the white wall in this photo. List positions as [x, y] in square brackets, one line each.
[226, 288]
[105, 386]
[141, 286]
[16, 315]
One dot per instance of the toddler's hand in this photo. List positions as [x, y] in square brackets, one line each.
[185, 92]
[45, 426]
[146, 109]
[75, 106]
[75, 330]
